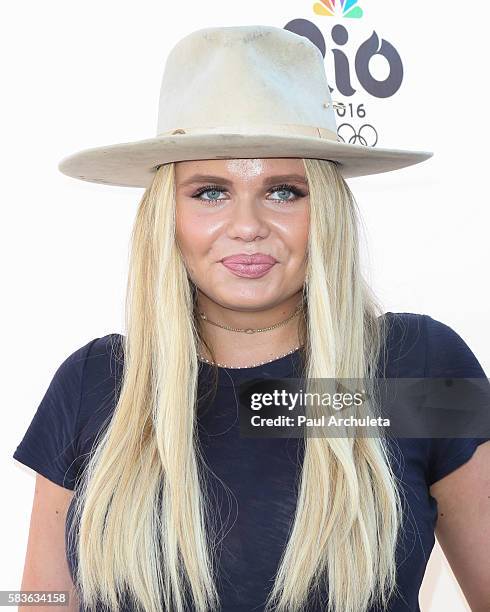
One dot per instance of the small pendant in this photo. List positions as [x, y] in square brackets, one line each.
[250, 331]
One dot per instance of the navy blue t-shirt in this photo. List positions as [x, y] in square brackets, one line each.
[256, 485]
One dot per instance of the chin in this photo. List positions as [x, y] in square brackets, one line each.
[239, 301]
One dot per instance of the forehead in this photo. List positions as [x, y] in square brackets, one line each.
[235, 170]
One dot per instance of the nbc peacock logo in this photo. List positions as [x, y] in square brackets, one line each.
[338, 8]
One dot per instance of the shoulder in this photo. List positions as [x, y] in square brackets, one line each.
[72, 387]
[100, 387]
[50, 443]
[421, 345]
[103, 353]
[71, 374]
[448, 353]
[404, 328]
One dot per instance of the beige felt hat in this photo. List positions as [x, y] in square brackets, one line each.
[238, 92]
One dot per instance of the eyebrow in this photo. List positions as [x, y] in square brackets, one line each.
[278, 178]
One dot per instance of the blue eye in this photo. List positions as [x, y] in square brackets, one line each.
[278, 188]
[286, 188]
[208, 189]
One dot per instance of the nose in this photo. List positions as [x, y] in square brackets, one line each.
[247, 220]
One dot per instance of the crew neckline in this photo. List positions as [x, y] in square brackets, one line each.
[277, 368]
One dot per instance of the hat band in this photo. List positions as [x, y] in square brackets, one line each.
[287, 129]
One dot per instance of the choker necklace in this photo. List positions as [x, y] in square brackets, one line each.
[252, 331]
[254, 365]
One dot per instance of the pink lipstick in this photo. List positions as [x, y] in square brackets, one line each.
[249, 266]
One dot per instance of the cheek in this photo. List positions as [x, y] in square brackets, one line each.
[295, 232]
[303, 230]
[192, 235]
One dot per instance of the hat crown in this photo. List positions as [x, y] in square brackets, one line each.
[243, 76]
[238, 92]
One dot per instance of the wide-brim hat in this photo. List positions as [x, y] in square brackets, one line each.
[238, 92]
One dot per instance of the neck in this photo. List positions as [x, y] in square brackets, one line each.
[239, 348]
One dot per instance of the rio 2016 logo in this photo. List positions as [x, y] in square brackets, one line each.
[344, 66]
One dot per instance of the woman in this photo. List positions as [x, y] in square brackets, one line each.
[245, 265]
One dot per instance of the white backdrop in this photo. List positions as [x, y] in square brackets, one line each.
[84, 74]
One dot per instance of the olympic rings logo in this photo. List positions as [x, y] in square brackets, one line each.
[366, 135]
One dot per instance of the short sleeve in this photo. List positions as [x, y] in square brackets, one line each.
[49, 445]
[448, 355]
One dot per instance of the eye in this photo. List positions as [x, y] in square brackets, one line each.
[284, 189]
[206, 189]
[217, 189]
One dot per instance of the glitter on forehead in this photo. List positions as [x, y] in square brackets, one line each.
[248, 167]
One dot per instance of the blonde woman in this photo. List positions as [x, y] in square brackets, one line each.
[245, 265]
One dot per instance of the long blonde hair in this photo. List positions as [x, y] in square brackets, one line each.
[144, 521]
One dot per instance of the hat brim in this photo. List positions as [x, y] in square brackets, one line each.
[133, 164]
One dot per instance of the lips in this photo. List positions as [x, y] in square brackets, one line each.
[243, 258]
[249, 266]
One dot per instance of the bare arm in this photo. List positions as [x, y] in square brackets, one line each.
[463, 525]
[46, 568]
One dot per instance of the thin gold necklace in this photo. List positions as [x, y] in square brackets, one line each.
[250, 331]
